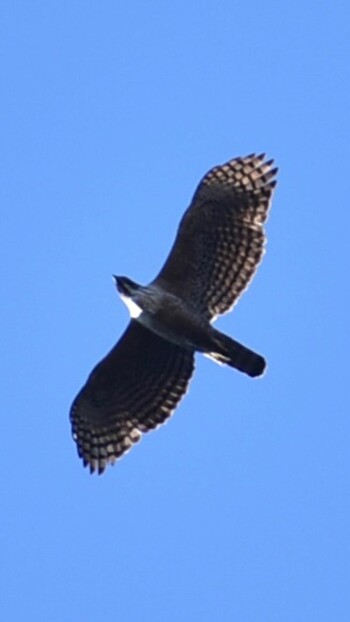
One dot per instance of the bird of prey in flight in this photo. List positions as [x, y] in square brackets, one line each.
[218, 246]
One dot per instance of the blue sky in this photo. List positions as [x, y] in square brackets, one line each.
[238, 509]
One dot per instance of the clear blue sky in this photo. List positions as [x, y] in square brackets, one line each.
[238, 509]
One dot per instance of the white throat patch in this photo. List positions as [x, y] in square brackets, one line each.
[134, 310]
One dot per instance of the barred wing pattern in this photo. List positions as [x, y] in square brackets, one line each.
[134, 389]
[221, 240]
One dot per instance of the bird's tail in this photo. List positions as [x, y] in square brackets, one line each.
[229, 352]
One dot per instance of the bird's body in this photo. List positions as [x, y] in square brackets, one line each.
[175, 321]
[218, 247]
[168, 316]
[179, 322]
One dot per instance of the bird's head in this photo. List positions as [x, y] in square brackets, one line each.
[125, 286]
[128, 290]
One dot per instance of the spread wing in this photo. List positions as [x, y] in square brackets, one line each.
[220, 240]
[134, 389]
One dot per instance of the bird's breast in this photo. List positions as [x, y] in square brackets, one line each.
[175, 322]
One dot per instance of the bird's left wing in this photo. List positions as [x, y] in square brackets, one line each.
[221, 239]
[134, 389]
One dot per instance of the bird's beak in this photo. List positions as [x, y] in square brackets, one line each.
[118, 284]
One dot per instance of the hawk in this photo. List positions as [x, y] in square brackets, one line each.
[218, 246]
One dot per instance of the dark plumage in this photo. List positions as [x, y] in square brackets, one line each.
[218, 247]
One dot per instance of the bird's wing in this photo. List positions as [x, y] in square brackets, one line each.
[132, 390]
[220, 240]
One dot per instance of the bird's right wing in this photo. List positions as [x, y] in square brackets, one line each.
[132, 390]
[220, 240]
